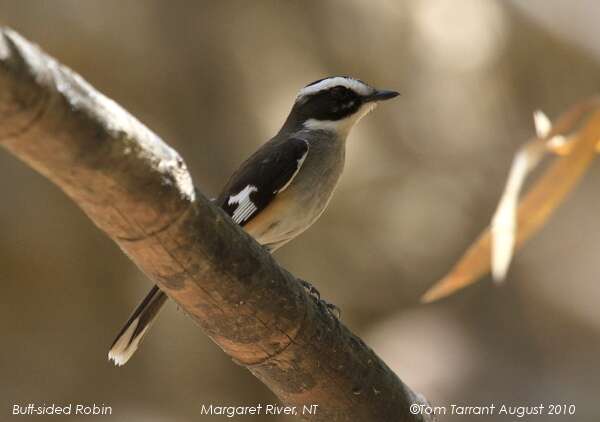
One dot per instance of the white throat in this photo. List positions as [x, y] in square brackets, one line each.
[343, 126]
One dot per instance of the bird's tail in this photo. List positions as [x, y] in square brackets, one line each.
[131, 334]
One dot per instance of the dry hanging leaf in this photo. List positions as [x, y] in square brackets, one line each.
[575, 138]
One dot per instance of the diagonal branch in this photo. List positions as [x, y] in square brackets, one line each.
[138, 191]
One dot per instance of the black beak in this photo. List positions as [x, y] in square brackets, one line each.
[380, 95]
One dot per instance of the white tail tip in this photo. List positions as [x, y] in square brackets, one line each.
[126, 345]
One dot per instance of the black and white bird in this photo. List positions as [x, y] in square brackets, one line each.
[283, 188]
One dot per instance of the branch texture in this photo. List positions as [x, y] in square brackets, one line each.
[138, 191]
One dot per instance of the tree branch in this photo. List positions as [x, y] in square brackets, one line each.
[138, 191]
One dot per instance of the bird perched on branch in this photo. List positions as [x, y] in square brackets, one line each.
[283, 188]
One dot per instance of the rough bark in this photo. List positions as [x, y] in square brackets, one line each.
[138, 191]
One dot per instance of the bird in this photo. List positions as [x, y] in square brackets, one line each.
[285, 186]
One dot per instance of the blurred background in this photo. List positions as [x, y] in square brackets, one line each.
[423, 176]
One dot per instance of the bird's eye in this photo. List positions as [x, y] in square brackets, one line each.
[339, 92]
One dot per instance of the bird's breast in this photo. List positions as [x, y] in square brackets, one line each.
[296, 208]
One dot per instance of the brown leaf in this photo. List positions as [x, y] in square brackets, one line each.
[581, 126]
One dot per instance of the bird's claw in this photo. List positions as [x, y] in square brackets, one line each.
[330, 307]
[311, 289]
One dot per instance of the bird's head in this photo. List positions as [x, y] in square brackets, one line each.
[335, 104]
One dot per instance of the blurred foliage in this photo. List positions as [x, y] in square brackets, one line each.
[216, 79]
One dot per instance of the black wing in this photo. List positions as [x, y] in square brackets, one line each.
[261, 177]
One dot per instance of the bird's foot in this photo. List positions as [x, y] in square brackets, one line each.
[332, 309]
[310, 289]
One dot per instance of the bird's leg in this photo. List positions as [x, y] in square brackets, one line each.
[310, 289]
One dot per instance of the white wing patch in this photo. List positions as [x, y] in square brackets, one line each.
[300, 162]
[245, 206]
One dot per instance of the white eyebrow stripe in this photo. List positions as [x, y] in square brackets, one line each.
[353, 84]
